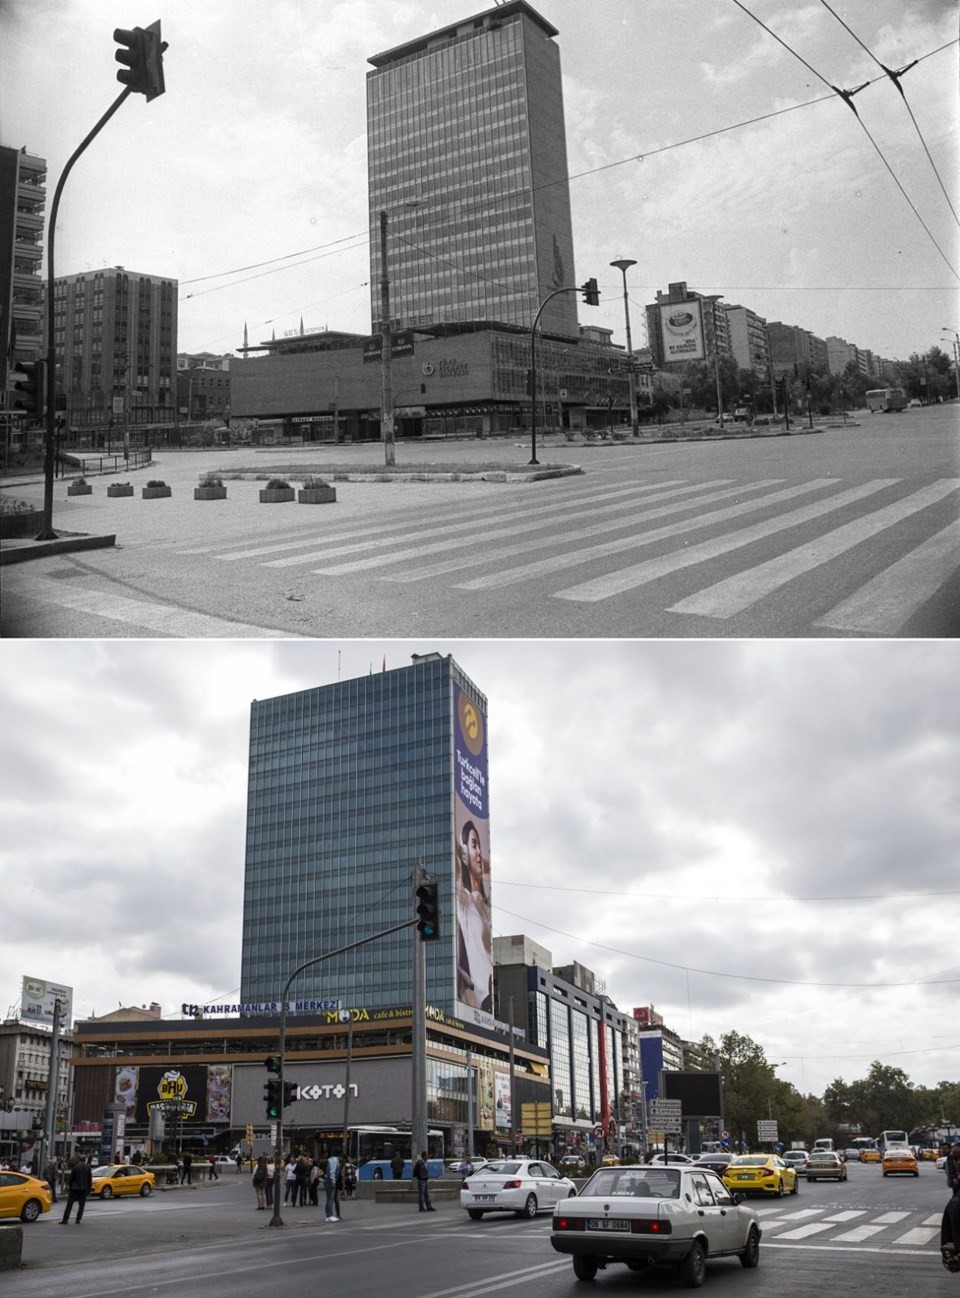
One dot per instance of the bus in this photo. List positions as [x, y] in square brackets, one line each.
[860, 1143]
[371, 1150]
[889, 1139]
[886, 399]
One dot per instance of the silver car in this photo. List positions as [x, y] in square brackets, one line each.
[525, 1186]
[641, 1216]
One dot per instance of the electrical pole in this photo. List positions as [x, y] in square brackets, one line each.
[386, 354]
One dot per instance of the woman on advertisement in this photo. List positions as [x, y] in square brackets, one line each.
[474, 949]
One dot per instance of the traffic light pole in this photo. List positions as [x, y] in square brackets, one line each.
[276, 1219]
[47, 533]
[533, 362]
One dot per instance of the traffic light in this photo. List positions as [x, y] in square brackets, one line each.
[591, 294]
[290, 1093]
[273, 1063]
[30, 389]
[142, 59]
[428, 911]
[249, 1134]
[271, 1094]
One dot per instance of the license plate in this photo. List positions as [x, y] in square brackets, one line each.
[484, 1198]
[607, 1223]
[744, 1176]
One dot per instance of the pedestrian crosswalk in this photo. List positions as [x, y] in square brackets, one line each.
[857, 558]
[850, 1226]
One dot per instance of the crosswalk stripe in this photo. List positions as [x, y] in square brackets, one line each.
[805, 1231]
[734, 594]
[477, 543]
[918, 1235]
[568, 537]
[166, 620]
[616, 583]
[556, 562]
[891, 1218]
[886, 602]
[858, 1233]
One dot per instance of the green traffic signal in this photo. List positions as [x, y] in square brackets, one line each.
[273, 1063]
[271, 1094]
[428, 912]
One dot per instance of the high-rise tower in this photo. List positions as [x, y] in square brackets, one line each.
[468, 158]
[352, 787]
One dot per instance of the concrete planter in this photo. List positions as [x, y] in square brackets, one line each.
[276, 496]
[120, 489]
[209, 493]
[27, 523]
[317, 495]
[80, 489]
[156, 493]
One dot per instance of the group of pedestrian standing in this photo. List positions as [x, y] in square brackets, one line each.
[303, 1178]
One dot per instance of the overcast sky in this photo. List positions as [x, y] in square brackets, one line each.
[759, 837]
[257, 151]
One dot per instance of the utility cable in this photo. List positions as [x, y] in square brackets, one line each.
[847, 97]
[895, 78]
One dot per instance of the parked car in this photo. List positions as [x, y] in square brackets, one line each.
[761, 1173]
[521, 1185]
[122, 1179]
[898, 1158]
[651, 1214]
[825, 1165]
[23, 1196]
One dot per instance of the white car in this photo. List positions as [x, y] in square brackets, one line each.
[643, 1216]
[796, 1158]
[522, 1185]
[456, 1164]
[676, 1160]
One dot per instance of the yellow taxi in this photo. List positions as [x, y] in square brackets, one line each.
[928, 1155]
[114, 1180]
[762, 1174]
[610, 1160]
[23, 1196]
[869, 1155]
[900, 1159]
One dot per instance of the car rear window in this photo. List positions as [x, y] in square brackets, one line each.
[632, 1182]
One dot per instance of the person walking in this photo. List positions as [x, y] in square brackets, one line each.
[78, 1187]
[331, 1176]
[185, 1172]
[421, 1174]
[260, 1182]
[349, 1180]
[50, 1176]
[396, 1166]
[239, 1162]
[950, 1223]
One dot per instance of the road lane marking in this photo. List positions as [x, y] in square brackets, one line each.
[641, 574]
[886, 602]
[803, 1232]
[919, 1235]
[890, 1218]
[577, 558]
[734, 594]
[859, 1233]
[178, 623]
[847, 1216]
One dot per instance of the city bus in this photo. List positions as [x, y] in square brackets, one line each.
[886, 399]
[371, 1150]
[889, 1139]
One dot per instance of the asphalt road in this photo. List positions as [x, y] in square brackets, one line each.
[852, 532]
[867, 1235]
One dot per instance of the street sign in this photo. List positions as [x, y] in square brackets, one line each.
[767, 1131]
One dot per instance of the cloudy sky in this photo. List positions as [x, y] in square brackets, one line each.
[759, 837]
[698, 144]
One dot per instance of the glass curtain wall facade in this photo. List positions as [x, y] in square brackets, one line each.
[349, 786]
[572, 1037]
[467, 156]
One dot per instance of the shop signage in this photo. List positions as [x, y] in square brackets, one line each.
[401, 344]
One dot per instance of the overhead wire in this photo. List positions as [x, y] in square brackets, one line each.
[847, 97]
[895, 78]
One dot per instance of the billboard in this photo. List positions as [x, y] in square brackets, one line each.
[37, 1000]
[700, 1094]
[681, 326]
[204, 1093]
[471, 817]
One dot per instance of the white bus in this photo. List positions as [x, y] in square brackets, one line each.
[892, 1139]
[886, 399]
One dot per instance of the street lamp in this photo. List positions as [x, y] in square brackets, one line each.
[622, 264]
[955, 343]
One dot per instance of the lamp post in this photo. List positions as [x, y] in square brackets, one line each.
[622, 264]
[955, 344]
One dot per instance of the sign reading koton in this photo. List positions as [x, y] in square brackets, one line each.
[681, 325]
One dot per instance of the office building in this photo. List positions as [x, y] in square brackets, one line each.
[23, 195]
[353, 788]
[467, 157]
[748, 339]
[115, 338]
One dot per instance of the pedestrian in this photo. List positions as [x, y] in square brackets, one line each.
[314, 1183]
[271, 1177]
[349, 1180]
[78, 1187]
[467, 1168]
[301, 1178]
[214, 1171]
[290, 1181]
[396, 1166]
[331, 1175]
[950, 1223]
[260, 1182]
[239, 1162]
[421, 1174]
[185, 1171]
[50, 1176]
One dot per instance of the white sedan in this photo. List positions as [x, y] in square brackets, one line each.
[643, 1216]
[520, 1185]
[674, 1159]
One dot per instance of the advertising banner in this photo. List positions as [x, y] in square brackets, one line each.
[472, 857]
[682, 328]
[201, 1094]
[504, 1109]
[37, 999]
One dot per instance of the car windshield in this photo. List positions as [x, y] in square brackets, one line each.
[635, 1182]
[102, 1171]
[750, 1160]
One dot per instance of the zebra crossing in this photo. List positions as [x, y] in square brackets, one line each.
[547, 539]
[893, 1228]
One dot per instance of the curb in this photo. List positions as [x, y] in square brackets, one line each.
[14, 553]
